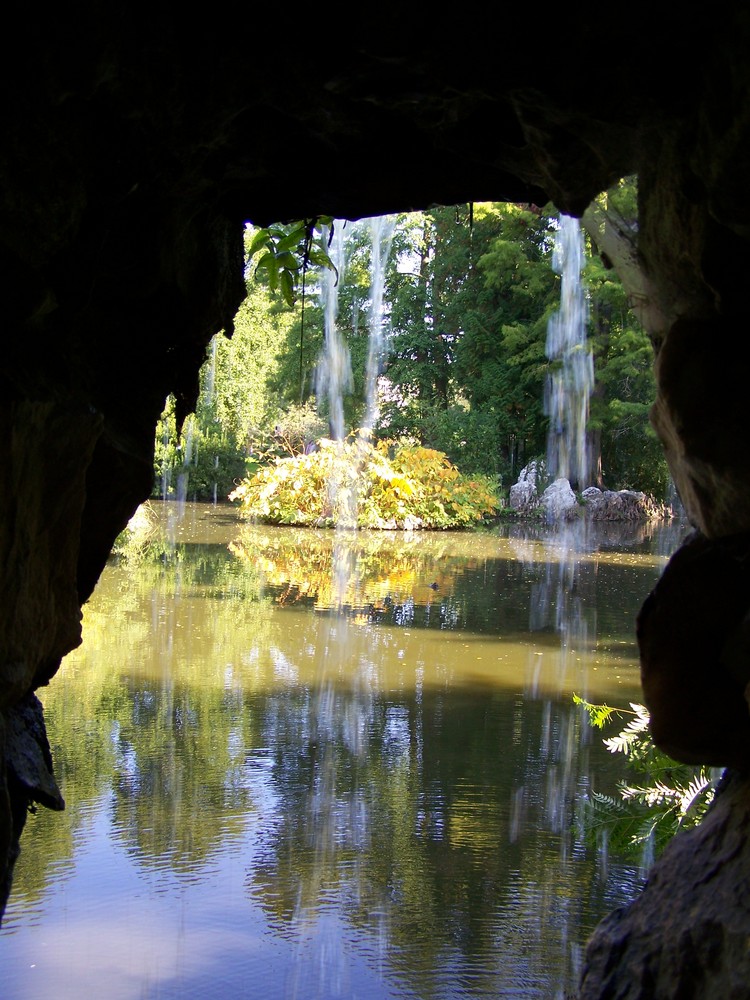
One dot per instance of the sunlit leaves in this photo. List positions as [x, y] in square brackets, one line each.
[598, 714]
[664, 798]
[284, 252]
[388, 486]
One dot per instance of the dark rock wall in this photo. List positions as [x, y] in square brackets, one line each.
[137, 141]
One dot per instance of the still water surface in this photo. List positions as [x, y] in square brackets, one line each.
[298, 765]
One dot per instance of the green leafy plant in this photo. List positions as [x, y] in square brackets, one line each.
[286, 252]
[663, 798]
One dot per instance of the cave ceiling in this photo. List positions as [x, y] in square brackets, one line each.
[137, 143]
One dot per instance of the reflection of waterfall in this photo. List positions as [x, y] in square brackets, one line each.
[563, 599]
[338, 816]
[569, 386]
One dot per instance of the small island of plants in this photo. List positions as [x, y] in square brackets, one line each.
[389, 485]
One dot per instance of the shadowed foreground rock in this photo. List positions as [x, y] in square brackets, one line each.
[694, 637]
[678, 940]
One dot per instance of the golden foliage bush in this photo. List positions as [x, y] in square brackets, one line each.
[391, 485]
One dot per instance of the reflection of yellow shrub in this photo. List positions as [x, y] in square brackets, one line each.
[134, 540]
[390, 486]
[300, 564]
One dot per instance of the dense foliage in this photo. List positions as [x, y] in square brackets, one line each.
[355, 483]
[468, 292]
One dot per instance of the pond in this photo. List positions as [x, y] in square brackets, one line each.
[300, 764]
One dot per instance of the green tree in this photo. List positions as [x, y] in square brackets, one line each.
[238, 405]
[469, 315]
[501, 360]
[628, 452]
[430, 266]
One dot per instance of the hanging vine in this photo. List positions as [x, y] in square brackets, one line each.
[287, 251]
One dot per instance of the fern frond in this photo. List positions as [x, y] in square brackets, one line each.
[697, 796]
[669, 797]
[598, 714]
[620, 744]
[651, 795]
[623, 826]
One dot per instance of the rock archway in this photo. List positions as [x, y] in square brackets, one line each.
[134, 147]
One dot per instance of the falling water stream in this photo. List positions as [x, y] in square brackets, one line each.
[334, 380]
[572, 377]
[381, 228]
[343, 720]
[334, 374]
[558, 602]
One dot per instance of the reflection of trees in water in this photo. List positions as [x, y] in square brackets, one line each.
[409, 816]
[430, 837]
[451, 581]
[179, 782]
[162, 747]
[516, 582]
[438, 820]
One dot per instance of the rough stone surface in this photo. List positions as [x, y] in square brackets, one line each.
[558, 501]
[677, 941]
[26, 777]
[694, 639]
[523, 495]
[137, 142]
[621, 505]
[28, 754]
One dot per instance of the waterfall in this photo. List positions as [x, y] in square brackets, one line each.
[165, 473]
[381, 229]
[184, 474]
[557, 601]
[335, 378]
[570, 383]
[210, 389]
[334, 374]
